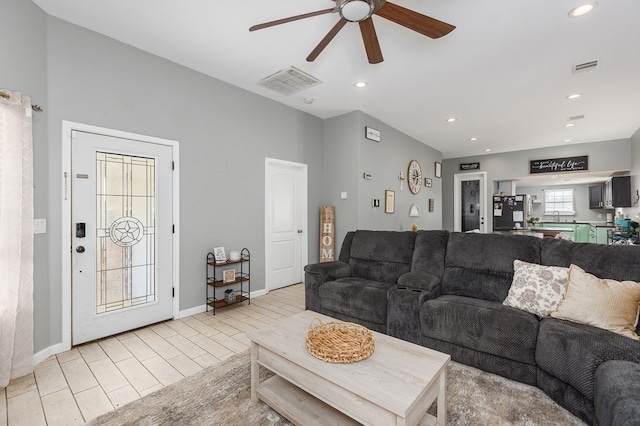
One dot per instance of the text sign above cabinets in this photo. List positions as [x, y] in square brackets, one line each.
[556, 165]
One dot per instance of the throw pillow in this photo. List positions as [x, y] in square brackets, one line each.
[537, 289]
[604, 303]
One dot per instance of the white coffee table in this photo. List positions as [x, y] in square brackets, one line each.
[394, 386]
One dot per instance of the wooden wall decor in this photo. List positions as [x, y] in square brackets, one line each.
[327, 233]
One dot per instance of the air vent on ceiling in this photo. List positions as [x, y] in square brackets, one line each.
[576, 117]
[585, 66]
[289, 81]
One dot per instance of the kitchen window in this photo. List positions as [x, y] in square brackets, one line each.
[559, 201]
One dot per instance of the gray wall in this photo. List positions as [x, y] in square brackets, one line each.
[580, 197]
[633, 212]
[224, 132]
[348, 155]
[24, 68]
[603, 156]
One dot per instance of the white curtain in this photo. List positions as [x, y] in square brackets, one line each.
[16, 236]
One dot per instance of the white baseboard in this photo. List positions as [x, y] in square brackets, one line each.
[47, 352]
[202, 308]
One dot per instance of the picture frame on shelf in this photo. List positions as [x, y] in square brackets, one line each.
[219, 255]
[437, 169]
[389, 201]
[228, 275]
[428, 183]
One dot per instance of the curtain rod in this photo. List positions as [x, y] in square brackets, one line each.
[7, 96]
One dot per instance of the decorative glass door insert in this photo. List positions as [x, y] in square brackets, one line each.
[125, 231]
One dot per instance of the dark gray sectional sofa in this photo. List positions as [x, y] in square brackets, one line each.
[445, 291]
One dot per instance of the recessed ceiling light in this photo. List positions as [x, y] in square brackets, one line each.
[451, 119]
[573, 96]
[569, 125]
[567, 140]
[554, 177]
[582, 10]
[308, 101]
[487, 150]
[360, 84]
[473, 139]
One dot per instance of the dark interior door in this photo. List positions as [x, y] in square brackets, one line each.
[470, 190]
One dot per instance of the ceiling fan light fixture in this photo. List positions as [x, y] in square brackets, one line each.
[356, 10]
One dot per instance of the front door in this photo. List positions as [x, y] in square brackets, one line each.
[122, 244]
[285, 205]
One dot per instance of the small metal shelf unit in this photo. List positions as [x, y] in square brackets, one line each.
[241, 285]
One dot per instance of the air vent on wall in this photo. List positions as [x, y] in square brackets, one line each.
[289, 81]
[576, 117]
[585, 66]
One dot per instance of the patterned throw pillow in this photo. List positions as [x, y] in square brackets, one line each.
[537, 289]
[603, 303]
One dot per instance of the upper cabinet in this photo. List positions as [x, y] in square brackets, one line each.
[617, 192]
[595, 197]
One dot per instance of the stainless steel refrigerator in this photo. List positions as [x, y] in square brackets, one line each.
[510, 211]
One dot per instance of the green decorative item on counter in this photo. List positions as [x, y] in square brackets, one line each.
[533, 220]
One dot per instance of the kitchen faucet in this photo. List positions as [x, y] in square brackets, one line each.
[556, 215]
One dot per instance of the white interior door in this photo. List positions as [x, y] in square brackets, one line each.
[469, 202]
[285, 222]
[122, 245]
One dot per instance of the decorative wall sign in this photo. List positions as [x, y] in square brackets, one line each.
[389, 201]
[469, 166]
[372, 134]
[557, 165]
[437, 169]
[428, 183]
[327, 233]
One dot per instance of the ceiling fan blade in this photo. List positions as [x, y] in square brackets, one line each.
[415, 21]
[325, 41]
[370, 39]
[291, 19]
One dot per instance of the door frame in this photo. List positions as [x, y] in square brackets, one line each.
[67, 128]
[457, 214]
[268, 228]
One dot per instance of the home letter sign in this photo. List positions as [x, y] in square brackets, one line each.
[327, 233]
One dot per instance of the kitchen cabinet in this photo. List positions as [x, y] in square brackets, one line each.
[595, 197]
[592, 234]
[617, 192]
[581, 233]
[601, 234]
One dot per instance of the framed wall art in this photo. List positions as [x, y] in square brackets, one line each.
[437, 169]
[428, 183]
[389, 201]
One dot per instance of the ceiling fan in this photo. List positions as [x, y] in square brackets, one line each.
[361, 11]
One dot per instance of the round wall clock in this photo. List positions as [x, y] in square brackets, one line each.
[414, 176]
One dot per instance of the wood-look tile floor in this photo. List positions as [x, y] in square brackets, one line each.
[76, 386]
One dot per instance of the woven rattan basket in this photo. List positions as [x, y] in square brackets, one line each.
[339, 342]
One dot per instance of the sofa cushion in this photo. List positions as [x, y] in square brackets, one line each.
[572, 352]
[617, 262]
[357, 298]
[428, 254]
[608, 304]
[481, 265]
[537, 289]
[484, 326]
[381, 255]
[617, 393]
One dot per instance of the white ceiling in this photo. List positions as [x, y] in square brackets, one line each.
[504, 72]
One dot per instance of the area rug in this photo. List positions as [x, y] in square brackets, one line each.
[221, 395]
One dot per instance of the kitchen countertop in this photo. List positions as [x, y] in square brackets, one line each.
[578, 222]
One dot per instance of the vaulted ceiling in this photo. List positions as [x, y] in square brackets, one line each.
[504, 73]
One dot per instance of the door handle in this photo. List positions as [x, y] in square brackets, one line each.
[80, 249]
[299, 231]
